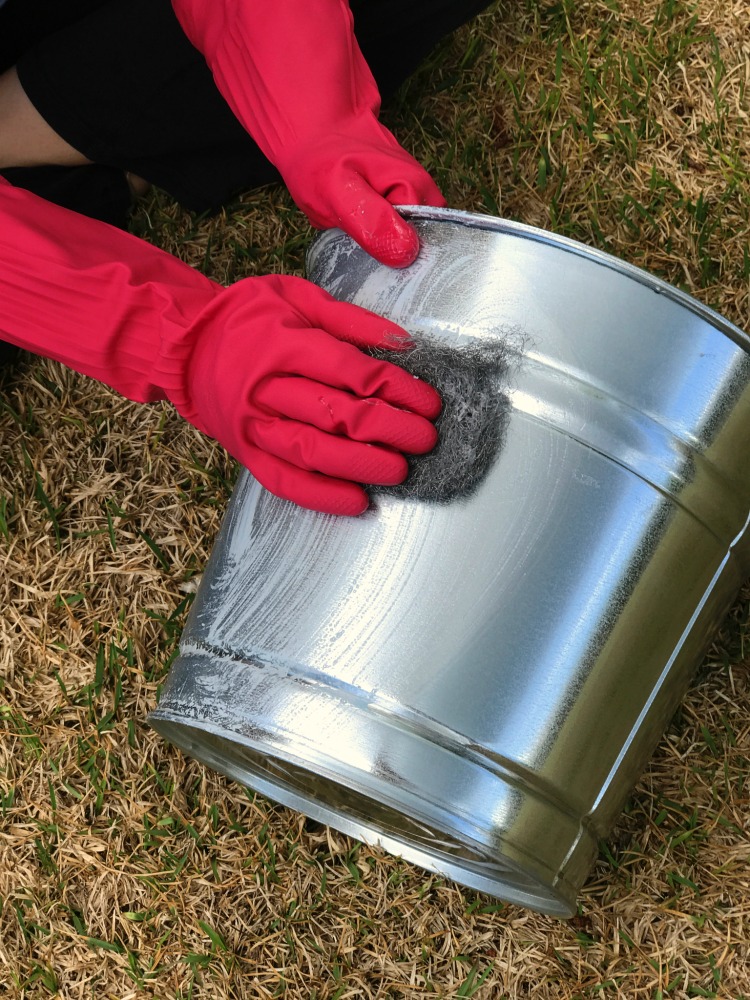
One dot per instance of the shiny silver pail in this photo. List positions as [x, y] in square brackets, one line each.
[477, 686]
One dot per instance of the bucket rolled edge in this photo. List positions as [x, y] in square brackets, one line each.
[220, 744]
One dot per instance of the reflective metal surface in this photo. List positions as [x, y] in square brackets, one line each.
[477, 686]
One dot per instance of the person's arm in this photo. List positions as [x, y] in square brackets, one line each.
[293, 74]
[269, 366]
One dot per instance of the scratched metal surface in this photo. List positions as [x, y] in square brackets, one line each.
[477, 686]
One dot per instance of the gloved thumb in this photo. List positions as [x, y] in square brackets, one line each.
[376, 225]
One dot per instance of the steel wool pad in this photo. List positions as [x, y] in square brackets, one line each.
[472, 423]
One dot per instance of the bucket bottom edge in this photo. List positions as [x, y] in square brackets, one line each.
[349, 806]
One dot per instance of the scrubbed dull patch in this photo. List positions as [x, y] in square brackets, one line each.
[472, 424]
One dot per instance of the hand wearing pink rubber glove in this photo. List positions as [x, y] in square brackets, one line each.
[269, 366]
[293, 74]
[297, 403]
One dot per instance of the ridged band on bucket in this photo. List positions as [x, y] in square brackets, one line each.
[476, 686]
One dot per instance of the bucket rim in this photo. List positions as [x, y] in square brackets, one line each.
[509, 227]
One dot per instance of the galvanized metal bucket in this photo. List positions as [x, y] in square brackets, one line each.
[477, 686]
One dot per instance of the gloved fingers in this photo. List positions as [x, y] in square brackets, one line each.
[421, 190]
[368, 420]
[393, 172]
[371, 220]
[307, 489]
[315, 451]
[316, 356]
[341, 320]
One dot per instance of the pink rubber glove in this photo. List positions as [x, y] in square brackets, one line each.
[293, 74]
[268, 366]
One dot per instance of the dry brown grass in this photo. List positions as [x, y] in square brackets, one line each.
[119, 858]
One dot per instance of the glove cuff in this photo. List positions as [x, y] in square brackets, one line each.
[96, 299]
